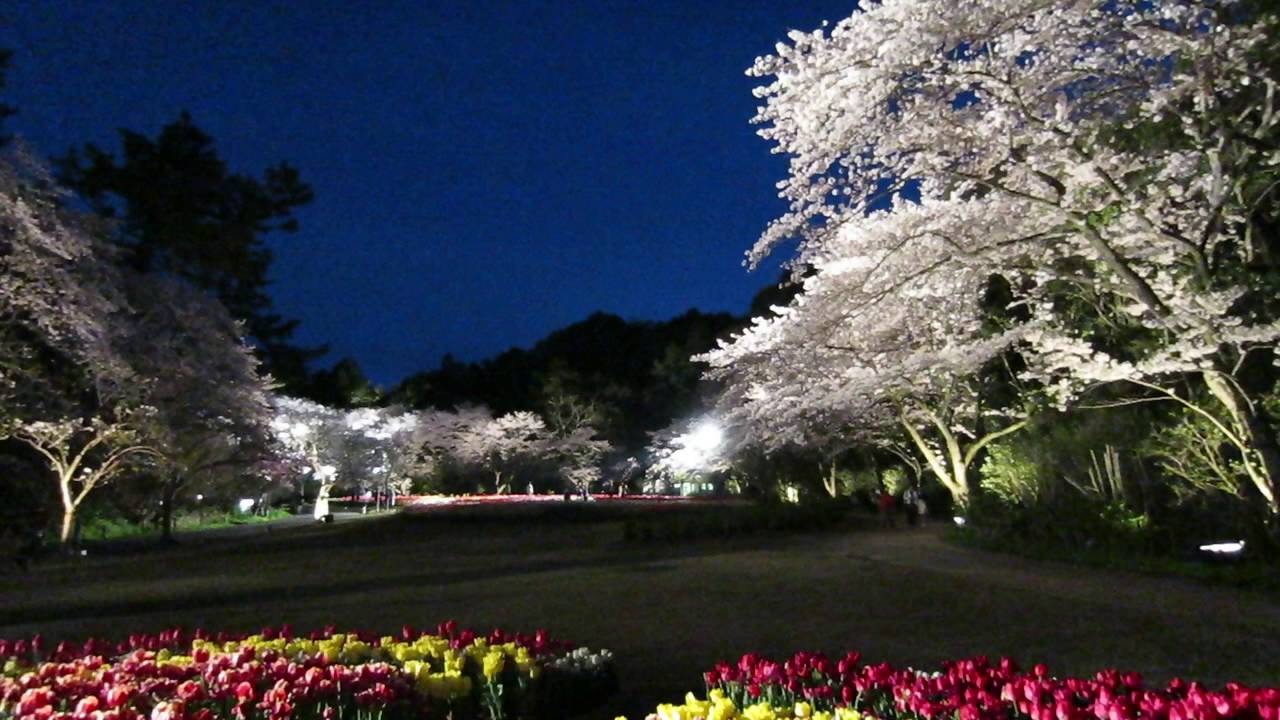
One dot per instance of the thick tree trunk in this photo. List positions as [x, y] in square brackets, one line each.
[68, 511]
[953, 474]
[68, 524]
[952, 467]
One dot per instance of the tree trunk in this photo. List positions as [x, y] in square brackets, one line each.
[953, 474]
[68, 525]
[1260, 455]
[829, 482]
[68, 509]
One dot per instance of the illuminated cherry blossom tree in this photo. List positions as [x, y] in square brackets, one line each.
[308, 433]
[83, 454]
[885, 338]
[61, 303]
[379, 447]
[579, 454]
[211, 404]
[66, 388]
[503, 445]
[1122, 149]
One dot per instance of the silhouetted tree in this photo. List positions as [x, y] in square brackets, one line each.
[181, 211]
[344, 385]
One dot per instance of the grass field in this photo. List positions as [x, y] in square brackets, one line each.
[668, 610]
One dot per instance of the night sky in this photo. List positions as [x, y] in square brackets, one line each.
[485, 171]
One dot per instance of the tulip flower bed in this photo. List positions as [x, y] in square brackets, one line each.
[276, 675]
[813, 686]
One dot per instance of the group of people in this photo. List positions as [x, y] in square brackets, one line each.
[913, 505]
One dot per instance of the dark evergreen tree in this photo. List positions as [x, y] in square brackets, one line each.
[182, 212]
[344, 386]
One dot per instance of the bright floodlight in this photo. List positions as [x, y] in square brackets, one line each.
[696, 449]
[1224, 548]
[246, 504]
[705, 438]
[959, 520]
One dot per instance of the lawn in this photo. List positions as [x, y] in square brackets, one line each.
[668, 609]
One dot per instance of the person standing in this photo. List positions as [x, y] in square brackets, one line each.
[885, 502]
[910, 503]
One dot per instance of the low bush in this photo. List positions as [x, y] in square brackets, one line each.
[115, 528]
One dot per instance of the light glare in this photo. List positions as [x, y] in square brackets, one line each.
[1224, 548]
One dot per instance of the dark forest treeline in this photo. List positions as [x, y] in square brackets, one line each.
[631, 376]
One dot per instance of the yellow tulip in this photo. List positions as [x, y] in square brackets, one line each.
[668, 711]
[760, 711]
[493, 664]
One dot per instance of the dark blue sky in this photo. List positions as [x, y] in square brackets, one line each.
[485, 171]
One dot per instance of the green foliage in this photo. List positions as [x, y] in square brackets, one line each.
[1070, 479]
[895, 480]
[118, 528]
[857, 480]
[1012, 477]
[1195, 458]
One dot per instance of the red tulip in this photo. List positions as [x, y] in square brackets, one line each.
[87, 705]
[190, 691]
[244, 692]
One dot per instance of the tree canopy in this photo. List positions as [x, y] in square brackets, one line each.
[181, 211]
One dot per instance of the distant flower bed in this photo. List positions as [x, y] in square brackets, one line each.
[811, 685]
[423, 503]
[275, 675]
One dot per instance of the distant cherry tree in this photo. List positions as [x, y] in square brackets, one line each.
[504, 445]
[379, 448]
[309, 435]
